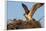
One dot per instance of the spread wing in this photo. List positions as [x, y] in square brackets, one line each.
[35, 7]
[25, 8]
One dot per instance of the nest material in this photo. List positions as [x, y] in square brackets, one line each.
[23, 25]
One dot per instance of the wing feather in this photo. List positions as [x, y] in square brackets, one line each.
[25, 8]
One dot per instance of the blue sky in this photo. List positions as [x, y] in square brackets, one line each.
[15, 10]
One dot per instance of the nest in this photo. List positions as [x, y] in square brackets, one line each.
[20, 24]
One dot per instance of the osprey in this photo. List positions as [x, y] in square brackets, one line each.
[29, 13]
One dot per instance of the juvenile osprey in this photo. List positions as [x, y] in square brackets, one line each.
[29, 13]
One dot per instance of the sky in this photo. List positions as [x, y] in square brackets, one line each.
[16, 11]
